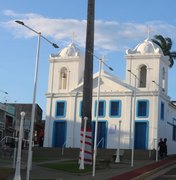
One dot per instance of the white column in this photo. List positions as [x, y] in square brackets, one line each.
[118, 148]
[18, 162]
[83, 144]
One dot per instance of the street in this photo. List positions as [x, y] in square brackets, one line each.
[168, 172]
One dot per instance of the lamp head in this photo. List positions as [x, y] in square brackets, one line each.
[111, 68]
[129, 70]
[20, 22]
[55, 45]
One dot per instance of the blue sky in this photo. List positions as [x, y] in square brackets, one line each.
[119, 25]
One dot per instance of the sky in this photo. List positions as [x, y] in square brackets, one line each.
[119, 25]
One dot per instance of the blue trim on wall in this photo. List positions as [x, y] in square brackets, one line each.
[147, 130]
[162, 111]
[65, 106]
[147, 108]
[119, 110]
[54, 130]
[80, 109]
[104, 108]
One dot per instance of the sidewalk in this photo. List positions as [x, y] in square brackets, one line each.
[120, 171]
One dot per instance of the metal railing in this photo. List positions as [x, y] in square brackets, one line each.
[6, 139]
[63, 147]
[101, 140]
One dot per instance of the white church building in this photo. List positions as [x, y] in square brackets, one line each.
[140, 102]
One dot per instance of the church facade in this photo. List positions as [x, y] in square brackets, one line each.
[137, 108]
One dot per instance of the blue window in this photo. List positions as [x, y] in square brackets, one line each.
[174, 130]
[115, 108]
[80, 109]
[162, 111]
[101, 109]
[60, 109]
[143, 108]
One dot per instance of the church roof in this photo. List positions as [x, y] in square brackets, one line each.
[146, 47]
[70, 51]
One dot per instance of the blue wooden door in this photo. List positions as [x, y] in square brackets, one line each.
[141, 139]
[59, 134]
[101, 134]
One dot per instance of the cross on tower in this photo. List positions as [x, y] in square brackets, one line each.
[149, 30]
[73, 36]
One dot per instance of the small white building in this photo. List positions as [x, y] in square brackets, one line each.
[151, 117]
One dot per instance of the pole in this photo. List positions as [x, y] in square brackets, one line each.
[29, 161]
[88, 74]
[133, 125]
[118, 148]
[14, 153]
[83, 144]
[96, 123]
[156, 145]
[18, 162]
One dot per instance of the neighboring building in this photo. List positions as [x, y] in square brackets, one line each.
[27, 108]
[146, 82]
[7, 120]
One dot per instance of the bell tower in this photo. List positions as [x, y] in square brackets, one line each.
[66, 69]
[149, 65]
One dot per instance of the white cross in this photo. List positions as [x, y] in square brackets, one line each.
[73, 36]
[149, 30]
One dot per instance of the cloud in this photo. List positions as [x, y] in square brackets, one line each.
[109, 35]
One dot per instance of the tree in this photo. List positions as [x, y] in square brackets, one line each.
[165, 44]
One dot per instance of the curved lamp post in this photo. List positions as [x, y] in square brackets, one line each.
[133, 120]
[4, 92]
[101, 61]
[29, 161]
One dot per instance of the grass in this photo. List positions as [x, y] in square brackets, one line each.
[41, 159]
[43, 179]
[69, 166]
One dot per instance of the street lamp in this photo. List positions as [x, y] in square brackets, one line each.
[133, 119]
[156, 145]
[101, 61]
[29, 161]
[4, 92]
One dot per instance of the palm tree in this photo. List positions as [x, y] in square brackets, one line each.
[88, 72]
[166, 45]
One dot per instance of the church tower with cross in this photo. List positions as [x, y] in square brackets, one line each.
[150, 66]
[147, 71]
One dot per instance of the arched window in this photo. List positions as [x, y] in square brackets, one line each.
[63, 78]
[143, 76]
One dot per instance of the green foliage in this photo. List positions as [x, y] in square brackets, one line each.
[69, 166]
[165, 44]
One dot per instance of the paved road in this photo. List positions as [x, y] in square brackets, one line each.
[167, 173]
[142, 168]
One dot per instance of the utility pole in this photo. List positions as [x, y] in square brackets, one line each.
[88, 72]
